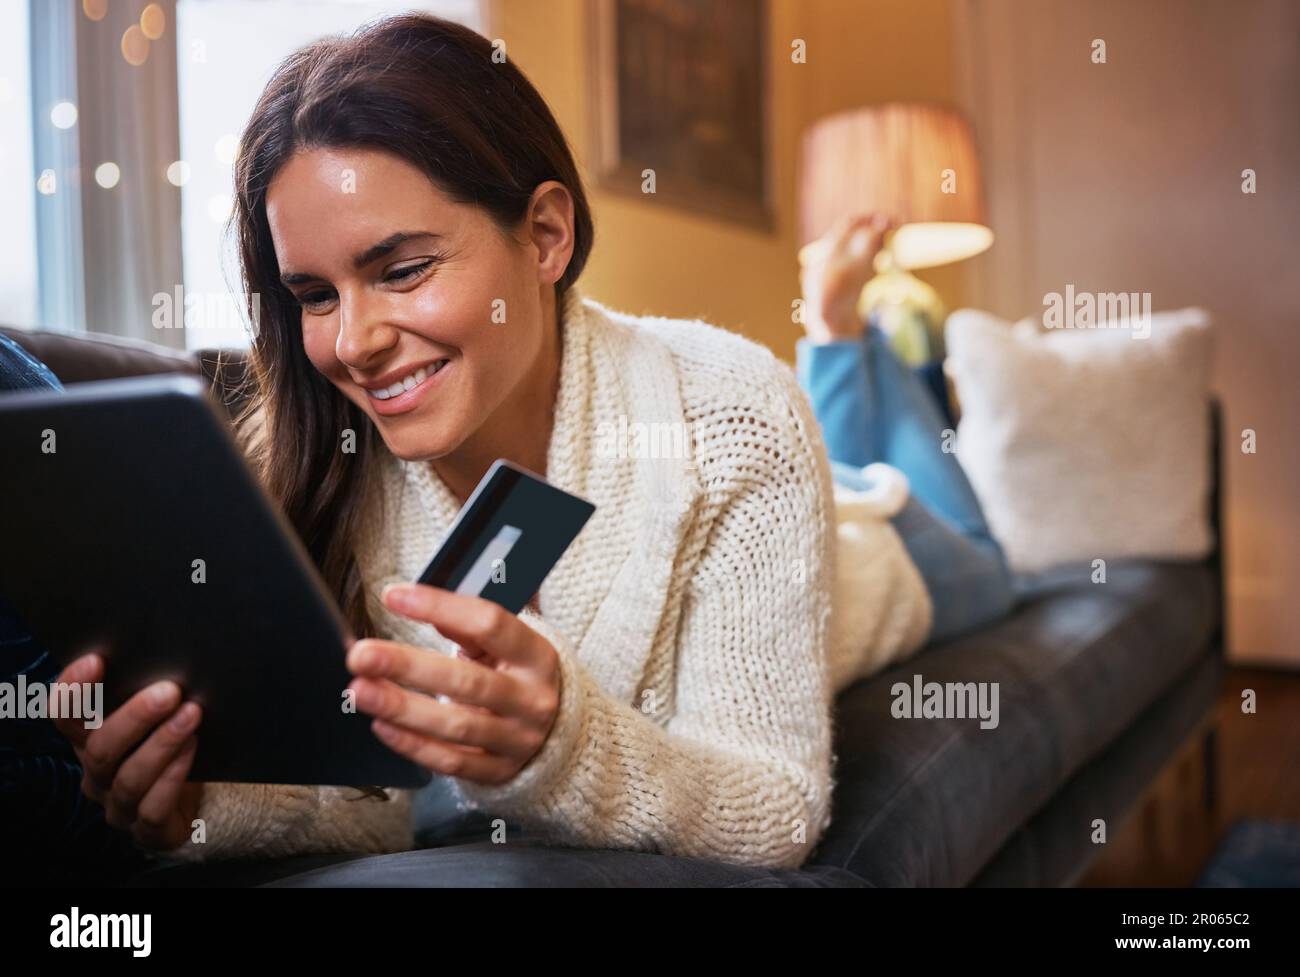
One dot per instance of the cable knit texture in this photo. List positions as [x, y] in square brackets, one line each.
[691, 618]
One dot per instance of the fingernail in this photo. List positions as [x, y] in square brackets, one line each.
[185, 717]
[396, 595]
[365, 656]
[362, 695]
[82, 668]
[163, 694]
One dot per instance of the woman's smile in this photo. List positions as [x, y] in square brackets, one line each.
[402, 394]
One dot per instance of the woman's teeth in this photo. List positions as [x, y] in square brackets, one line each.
[409, 382]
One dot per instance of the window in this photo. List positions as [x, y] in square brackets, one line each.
[18, 287]
[119, 124]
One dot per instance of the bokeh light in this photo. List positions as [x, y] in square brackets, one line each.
[178, 174]
[135, 46]
[219, 207]
[107, 175]
[64, 115]
[153, 21]
[227, 148]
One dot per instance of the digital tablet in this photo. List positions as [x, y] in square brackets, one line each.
[132, 521]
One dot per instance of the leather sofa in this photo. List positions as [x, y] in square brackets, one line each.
[1100, 686]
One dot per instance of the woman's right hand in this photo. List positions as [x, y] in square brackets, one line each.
[136, 762]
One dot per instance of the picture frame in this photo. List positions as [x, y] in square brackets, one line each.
[680, 105]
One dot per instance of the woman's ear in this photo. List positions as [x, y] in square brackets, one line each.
[550, 228]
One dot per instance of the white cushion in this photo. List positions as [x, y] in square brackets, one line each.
[1086, 444]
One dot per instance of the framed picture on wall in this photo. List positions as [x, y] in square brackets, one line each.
[679, 96]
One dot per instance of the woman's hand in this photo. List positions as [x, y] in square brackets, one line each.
[841, 264]
[136, 763]
[503, 690]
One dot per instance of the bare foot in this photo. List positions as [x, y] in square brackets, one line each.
[837, 268]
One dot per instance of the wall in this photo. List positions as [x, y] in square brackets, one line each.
[1127, 176]
[650, 258]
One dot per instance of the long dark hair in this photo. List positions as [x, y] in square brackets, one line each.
[430, 92]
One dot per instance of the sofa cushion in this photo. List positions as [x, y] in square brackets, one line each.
[930, 801]
[80, 357]
[1087, 421]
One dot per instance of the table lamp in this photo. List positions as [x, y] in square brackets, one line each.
[918, 164]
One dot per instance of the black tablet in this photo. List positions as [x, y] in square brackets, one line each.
[130, 519]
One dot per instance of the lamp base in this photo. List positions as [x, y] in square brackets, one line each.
[908, 311]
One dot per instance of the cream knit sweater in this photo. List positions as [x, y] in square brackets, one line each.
[692, 617]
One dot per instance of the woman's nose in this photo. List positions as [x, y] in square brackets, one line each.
[364, 333]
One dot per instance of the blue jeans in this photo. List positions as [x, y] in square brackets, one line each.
[874, 409]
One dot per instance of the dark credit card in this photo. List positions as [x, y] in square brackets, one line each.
[509, 534]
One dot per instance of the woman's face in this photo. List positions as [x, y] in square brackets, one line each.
[421, 310]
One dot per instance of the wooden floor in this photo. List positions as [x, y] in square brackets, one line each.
[1168, 838]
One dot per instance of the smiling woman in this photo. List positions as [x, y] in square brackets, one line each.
[377, 251]
[413, 224]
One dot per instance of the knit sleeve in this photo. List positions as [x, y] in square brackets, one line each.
[741, 771]
[278, 820]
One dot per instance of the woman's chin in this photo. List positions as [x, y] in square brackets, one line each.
[422, 448]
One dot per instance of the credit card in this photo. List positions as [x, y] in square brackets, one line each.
[509, 534]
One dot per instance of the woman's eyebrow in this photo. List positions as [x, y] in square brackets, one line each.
[372, 253]
[387, 245]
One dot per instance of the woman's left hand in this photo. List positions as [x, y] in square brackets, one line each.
[502, 693]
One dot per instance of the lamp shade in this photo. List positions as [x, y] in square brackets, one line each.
[916, 163]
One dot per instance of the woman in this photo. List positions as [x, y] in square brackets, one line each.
[412, 223]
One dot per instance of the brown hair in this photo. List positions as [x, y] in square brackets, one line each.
[430, 92]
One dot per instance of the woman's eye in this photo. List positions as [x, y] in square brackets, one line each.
[315, 299]
[410, 271]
